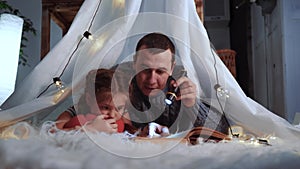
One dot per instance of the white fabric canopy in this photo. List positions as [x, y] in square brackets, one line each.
[116, 26]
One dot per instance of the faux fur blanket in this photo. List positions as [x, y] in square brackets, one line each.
[79, 150]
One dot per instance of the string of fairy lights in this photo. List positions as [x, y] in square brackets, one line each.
[220, 91]
[57, 80]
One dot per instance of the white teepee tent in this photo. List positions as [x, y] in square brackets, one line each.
[116, 26]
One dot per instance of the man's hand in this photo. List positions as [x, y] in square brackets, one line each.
[187, 91]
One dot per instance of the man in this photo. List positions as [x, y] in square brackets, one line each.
[155, 68]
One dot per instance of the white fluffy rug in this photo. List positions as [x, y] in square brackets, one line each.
[78, 150]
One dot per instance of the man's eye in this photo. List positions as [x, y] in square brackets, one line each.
[146, 70]
[160, 72]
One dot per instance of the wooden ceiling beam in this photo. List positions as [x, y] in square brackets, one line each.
[62, 12]
[60, 21]
[60, 8]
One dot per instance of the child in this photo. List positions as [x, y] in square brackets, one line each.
[98, 109]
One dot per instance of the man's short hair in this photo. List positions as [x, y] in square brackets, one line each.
[157, 42]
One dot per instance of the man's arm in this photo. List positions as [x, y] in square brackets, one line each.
[205, 115]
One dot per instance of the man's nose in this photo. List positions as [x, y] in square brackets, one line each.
[152, 76]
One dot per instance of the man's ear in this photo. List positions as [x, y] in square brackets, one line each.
[172, 68]
[134, 64]
[134, 57]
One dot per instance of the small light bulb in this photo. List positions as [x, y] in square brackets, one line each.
[221, 91]
[59, 84]
[88, 35]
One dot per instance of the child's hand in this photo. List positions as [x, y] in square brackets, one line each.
[155, 130]
[102, 124]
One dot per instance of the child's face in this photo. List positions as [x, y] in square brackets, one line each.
[113, 107]
[119, 100]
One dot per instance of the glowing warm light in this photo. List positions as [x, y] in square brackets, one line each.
[15, 132]
[249, 139]
[10, 42]
[118, 3]
[98, 43]
[62, 90]
[236, 130]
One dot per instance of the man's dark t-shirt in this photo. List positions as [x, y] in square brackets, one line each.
[143, 110]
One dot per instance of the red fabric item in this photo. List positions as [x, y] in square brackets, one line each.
[121, 125]
[78, 120]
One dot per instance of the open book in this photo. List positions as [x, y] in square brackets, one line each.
[189, 136]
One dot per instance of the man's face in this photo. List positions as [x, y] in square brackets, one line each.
[153, 70]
